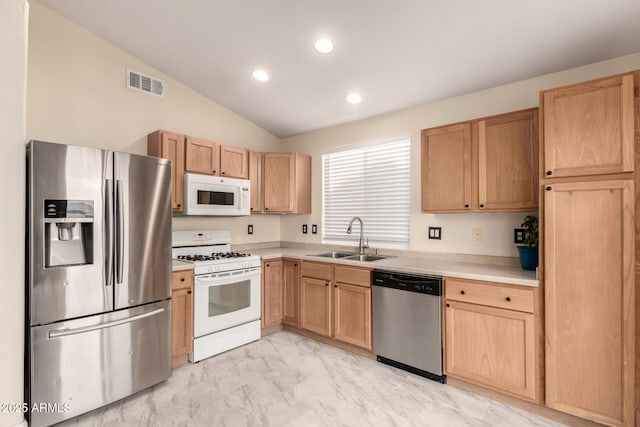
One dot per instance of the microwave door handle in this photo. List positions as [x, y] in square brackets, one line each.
[120, 232]
[108, 219]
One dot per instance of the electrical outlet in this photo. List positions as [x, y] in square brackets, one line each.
[518, 235]
[250, 229]
[304, 228]
[477, 234]
[435, 233]
[314, 229]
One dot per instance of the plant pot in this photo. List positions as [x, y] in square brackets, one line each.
[528, 257]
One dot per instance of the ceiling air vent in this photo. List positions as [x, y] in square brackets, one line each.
[143, 83]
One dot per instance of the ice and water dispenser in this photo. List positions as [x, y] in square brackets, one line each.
[68, 230]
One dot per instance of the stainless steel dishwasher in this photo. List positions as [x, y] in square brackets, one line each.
[407, 322]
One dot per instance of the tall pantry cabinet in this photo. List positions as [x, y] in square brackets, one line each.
[589, 183]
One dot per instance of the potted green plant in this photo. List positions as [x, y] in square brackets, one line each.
[529, 250]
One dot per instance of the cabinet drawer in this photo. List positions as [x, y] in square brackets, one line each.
[352, 275]
[317, 270]
[494, 295]
[181, 279]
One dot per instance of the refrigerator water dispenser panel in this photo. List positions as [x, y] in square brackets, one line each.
[68, 229]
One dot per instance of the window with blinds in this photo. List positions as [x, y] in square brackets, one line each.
[371, 182]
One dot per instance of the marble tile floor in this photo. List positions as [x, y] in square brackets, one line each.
[288, 380]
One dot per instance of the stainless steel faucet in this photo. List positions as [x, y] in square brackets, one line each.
[361, 244]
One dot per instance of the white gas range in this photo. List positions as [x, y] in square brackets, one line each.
[226, 301]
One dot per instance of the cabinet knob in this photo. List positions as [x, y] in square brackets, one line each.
[266, 209]
[182, 279]
[267, 265]
[448, 305]
[549, 173]
[482, 205]
[179, 205]
[466, 205]
[548, 188]
[295, 265]
[508, 298]
[189, 291]
[214, 171]
[326, 284]
[462, 292]
[222, 173]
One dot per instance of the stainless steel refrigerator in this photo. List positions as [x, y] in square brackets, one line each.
[98, 279]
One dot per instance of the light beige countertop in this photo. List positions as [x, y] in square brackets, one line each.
[415, 264]
[180, 265]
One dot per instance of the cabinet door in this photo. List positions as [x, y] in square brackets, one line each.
[352, 314]
[507, 169]
[202, 156]
[272, 294]
[446, 168]
[234, 162]
[316, 306]
[491, 347]
[255, 180]
[588, 128]
[169, 145]
[181, 325]
[589, 299]
[279, 177]
[291, 288]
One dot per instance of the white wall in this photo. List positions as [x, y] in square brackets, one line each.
[13, 75]
[77, 95]
[456, 228]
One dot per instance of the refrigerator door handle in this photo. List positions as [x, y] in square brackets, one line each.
[109, 232]
[64, 332]
[120, 232]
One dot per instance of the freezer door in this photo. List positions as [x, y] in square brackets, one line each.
[68, 268]
[143, 229]
[83, 364]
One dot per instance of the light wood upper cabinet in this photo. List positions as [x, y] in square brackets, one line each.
[316, 305]
[169, 145]
[234, 162]
[488, 164]
[271, 293]
[507, 161]
[491, 346]
[291, 291]
[446, 168]
[588, 127]
[287, 183]
[255, 179]
[202, 156]
[181, 316]
[589, 299]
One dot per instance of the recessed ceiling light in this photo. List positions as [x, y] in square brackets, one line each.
[260, 75]
[354, 98]
[324, 45]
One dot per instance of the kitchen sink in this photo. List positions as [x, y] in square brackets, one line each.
[367, 257]
[335, 254]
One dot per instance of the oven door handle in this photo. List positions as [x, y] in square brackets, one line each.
[222, 278]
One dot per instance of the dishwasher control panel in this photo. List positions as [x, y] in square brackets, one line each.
[431, 285]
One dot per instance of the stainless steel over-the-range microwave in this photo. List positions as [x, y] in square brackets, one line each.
[214, 195]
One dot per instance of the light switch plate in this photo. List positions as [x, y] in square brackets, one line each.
[304, 228]
[250, 229]
[435, 233]
[314, 229]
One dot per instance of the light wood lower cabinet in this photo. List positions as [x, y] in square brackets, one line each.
[492, 338]
[589, 296]
[316, 305]
[337, 302]
[271, 293]
[181, 316]
[291, 293]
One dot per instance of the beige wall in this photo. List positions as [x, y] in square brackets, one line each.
[456, 228]
[13, 69]
[77, 95]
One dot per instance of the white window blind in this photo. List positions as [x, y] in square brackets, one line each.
[371, 182]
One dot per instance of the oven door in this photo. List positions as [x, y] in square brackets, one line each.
[224, 300]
